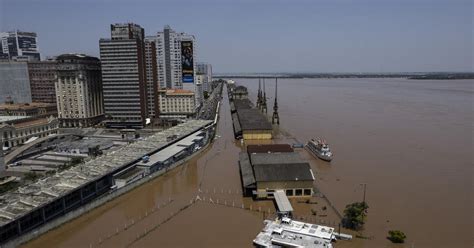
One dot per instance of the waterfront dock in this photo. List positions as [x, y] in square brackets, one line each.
[249, 122]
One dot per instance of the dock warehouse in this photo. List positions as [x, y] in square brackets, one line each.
[248, 122]
[273, 148]
[264, 173]
[254, 125]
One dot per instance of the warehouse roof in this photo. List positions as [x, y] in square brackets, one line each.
[17, 202]
[241, 88]
[283, 172]
[246, 170]
[235, 121]
[242, 104]
[190, 140]
[272, 148]
[275, 158]
[252, 119]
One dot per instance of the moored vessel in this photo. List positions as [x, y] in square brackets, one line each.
[320, 148]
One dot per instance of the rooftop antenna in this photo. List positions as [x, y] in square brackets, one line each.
[275, 116]
[264, 98]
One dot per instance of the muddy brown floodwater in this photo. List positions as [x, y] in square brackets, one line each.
[409, 141]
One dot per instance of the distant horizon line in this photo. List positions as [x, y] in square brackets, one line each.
[342, 73]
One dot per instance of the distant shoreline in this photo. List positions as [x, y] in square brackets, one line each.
[414, 76]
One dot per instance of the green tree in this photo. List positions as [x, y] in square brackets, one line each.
[206, 94]
[396, 236]
[354, 215]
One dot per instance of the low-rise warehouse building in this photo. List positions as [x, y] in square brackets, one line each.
[273, 148]
[242, 104]
[240, 92]
[265, 172]
[254, 124]
[249, 123]
[295, 178]
[275, 158]
[30, 206]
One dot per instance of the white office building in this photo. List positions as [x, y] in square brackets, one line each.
[169, 59]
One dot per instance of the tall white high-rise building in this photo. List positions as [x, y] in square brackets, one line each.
[172, 56]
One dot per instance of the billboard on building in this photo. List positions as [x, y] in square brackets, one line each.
[187, 63]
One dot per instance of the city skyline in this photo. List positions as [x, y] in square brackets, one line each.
[270, 36]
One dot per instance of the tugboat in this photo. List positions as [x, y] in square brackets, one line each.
[320, 149]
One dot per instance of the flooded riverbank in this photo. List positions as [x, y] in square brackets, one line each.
[386, 133]
[410, 141]
[213, 176]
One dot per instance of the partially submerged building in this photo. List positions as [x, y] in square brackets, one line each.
[254, 125]
[264, 173]
[249, 123]
[30, 206]
[273, 148]
[240, 92]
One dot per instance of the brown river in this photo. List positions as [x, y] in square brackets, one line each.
[409, 141]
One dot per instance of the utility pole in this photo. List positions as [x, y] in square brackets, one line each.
[365, 187]
[264, 99]
[259, 94]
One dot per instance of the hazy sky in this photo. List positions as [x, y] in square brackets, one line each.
[270, 35]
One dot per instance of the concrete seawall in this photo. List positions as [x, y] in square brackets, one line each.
[98, 202]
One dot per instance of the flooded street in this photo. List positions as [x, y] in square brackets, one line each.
[152, 213]
[409, 141]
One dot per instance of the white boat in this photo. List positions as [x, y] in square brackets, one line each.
[320, 149]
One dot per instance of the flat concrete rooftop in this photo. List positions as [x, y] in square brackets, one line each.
[294, 234]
